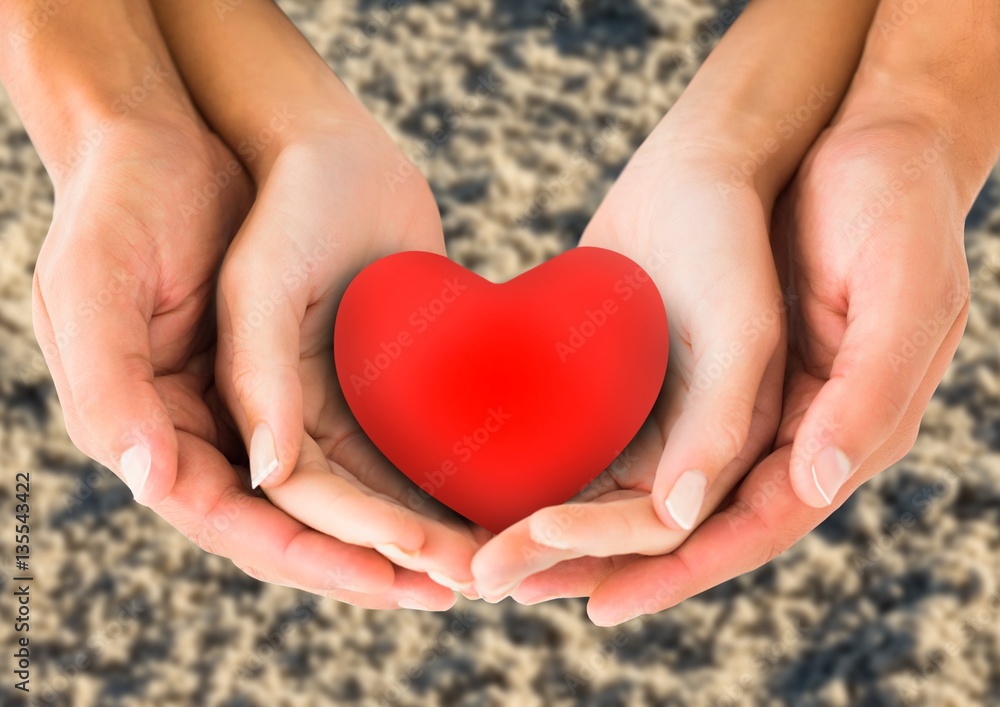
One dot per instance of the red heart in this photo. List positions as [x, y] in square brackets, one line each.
[498, 400]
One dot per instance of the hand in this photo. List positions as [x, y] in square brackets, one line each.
[697, 197]
[326, 209]
[122, 308]
[881, 302]
[870, 240]
[705, 245]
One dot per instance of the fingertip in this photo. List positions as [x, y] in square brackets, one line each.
[605, 616]
[680, 505]
[817, 480]
[545, 530]
[148, 465]
[372, 574]
[263, 457]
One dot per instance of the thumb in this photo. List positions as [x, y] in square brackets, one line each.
[730, 381]
[92, 315]
[259, 334]
[883, 356]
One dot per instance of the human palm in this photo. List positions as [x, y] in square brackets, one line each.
[719, 406]
[326, 209]
[879, 303]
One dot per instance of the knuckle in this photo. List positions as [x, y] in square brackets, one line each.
[245, 376]
[728, 429]
[211, 530]
[904, 441]
[255, 573]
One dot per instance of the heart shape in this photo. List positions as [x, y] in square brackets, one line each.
[499, 400]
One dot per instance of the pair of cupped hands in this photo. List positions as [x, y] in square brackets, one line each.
[187, 317]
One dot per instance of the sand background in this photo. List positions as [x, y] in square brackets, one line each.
[153, 620]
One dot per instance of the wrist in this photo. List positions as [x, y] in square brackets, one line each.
[736, 154]
[926, 128]
[76, 76]
[310, 122]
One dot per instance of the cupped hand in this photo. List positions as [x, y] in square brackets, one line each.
[123, 311]
[332, 202]
[871, 243]
[704, 242]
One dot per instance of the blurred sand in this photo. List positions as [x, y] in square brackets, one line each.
[155, 621]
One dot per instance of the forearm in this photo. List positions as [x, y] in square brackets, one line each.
[770, 86]
[75, 70]
[249, 68]
[935, 65]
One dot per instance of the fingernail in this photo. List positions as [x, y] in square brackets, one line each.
[547, 534]
[396, 553]
[830, 469]
[450, 583]
[263, 458]
[135, 464]
[411, 603]
[685, 498]
[497, 595]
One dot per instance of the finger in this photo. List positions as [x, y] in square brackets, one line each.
[260, 319]
[559, 533]
[324, 497]
[410, 590]
[604, 529]
[572, 578]
[888, 344]
[737, 539]
[765, 519]
[211, 506]
[504, 561]
[712, 431]
[98, 313]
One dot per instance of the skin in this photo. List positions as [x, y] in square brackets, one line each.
[917, 120]
[721, 402]
[847, 385]
[335, 194]
[123, 295]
